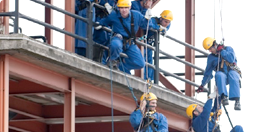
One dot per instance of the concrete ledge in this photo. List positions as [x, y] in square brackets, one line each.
[81, 68]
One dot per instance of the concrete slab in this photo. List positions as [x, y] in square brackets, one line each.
[81, 68]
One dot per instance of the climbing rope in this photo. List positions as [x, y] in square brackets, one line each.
[222, 42]
[149, 83]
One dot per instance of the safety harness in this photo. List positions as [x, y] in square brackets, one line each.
[148, 121]
[232, 66]
[131, 35]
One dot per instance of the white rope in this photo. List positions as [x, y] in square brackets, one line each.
[147, 84]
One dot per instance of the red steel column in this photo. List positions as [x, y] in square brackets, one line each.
[49, 20]
[4, 87]
[69, 108]
[190, 38]
[5, 5]
[69, 25]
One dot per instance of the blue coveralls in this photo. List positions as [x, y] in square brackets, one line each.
[199, 123]
[81, 27]
[150, 41]
[138, 7]
[160, 121]
[135, 59]
[225, 76]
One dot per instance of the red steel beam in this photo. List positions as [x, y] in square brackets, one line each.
[25, 87]
[4, 91]
[92, 110]
[190, 38]
[96, 127]
[29, 126]
[69, 25]
[38, 75]
[69, 108]
[167, 83]
[25, 107]
[49, 20]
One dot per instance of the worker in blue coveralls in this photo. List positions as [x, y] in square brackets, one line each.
[152, 121]
[141, 5]
[222, 60]
[101, 36]
[204, 118]
[125, 24]
[80, 26]
[162, 24]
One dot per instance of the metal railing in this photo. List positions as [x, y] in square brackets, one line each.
[90, 43]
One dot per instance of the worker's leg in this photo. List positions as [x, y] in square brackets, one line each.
[80, 51]
[233, 79]
[237, 128]
[80, 29]
[115, 48]
[221, 79]
[135, 59]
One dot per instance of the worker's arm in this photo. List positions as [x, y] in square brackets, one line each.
[208, 71]
[107, 21]
[163, 124]
[200, 122]
[228, 54]
[135, 118]
[144, 23]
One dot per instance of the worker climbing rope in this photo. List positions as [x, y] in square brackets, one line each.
[228, 72]
[145, 118]
[204, 118]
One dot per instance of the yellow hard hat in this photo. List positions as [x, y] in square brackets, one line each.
[166, 14]
[190, 109]
[124, 3]
[150, 96]
[208, 42]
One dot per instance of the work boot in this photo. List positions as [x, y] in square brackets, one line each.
[224, 100]
[115, 64]
[97, 53]
[237, 105]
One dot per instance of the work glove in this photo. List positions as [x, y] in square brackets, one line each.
[109, 8]
[220, 47]
[214, 94]
[201, 89]
[162, 28]
[148, 14]
[98, 27]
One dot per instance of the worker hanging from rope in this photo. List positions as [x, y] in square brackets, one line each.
[227, 72]
[146, 118]
[125, 24]
[162, 24]
[204, 118]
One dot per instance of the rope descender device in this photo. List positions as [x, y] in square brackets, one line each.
[149, 83]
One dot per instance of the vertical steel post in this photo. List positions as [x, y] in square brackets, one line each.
[69, 25]
[4, 93]
[190, 38]
[89, 48]
[69, 108]
[156, 57]
[49, 20]
[16, 20]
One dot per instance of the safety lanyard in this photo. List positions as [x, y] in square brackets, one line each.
[132, 33]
